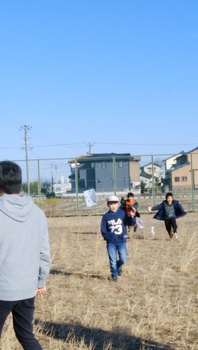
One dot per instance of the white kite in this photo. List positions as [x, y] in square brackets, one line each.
[90, 197]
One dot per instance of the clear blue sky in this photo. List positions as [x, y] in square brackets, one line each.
[121, 75]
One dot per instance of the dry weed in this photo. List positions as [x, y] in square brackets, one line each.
[153, 306]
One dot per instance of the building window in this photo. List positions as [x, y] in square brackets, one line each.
[184, 178]
[177, 179]
[149, 170]
[103, 165]
[92, 165]
[120, 164]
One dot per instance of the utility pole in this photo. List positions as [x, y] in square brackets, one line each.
[52, 178]
[90, 145]
[26, 128]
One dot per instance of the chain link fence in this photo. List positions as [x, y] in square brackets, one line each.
[149, 177]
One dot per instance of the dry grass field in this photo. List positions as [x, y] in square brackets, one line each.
[153, 306]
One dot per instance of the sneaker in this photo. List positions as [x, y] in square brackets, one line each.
[120, 272]
[114, 279]
[176, 235]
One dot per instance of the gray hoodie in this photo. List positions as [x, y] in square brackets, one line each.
[24, 248]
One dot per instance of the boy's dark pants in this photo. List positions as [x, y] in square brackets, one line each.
[22, 312]
[170, 222]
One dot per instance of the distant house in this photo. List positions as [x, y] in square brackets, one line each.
[105, 172]
[184, 172]
[174, 160]
[147, 172]
[171, 163]
[185, 176]
[59, 189]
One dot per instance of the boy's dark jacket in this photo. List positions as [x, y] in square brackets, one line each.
[160, 215]
[113, 226]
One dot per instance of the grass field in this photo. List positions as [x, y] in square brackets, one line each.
[154, 305]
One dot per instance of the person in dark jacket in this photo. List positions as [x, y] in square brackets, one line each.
[129, 203]
[169, 210]
[114, 232]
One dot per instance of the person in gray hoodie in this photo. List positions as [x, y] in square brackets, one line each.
[24, 255]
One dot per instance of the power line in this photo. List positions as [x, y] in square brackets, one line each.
[104, 143]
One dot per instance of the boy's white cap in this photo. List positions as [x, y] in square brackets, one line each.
[112, 199]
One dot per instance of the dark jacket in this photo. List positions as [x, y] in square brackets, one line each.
[113, 226]
[160, 215]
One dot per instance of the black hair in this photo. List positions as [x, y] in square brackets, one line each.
[10, 177]
[130, 194]
[169, 194]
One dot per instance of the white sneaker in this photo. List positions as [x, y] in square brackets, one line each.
[176, 235]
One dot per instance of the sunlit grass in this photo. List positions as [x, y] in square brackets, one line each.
[154, 305]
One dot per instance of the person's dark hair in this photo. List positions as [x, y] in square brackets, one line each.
[130, 194]
[10, 177]
[169, 194]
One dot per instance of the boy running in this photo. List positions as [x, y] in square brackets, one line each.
[169, 210]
